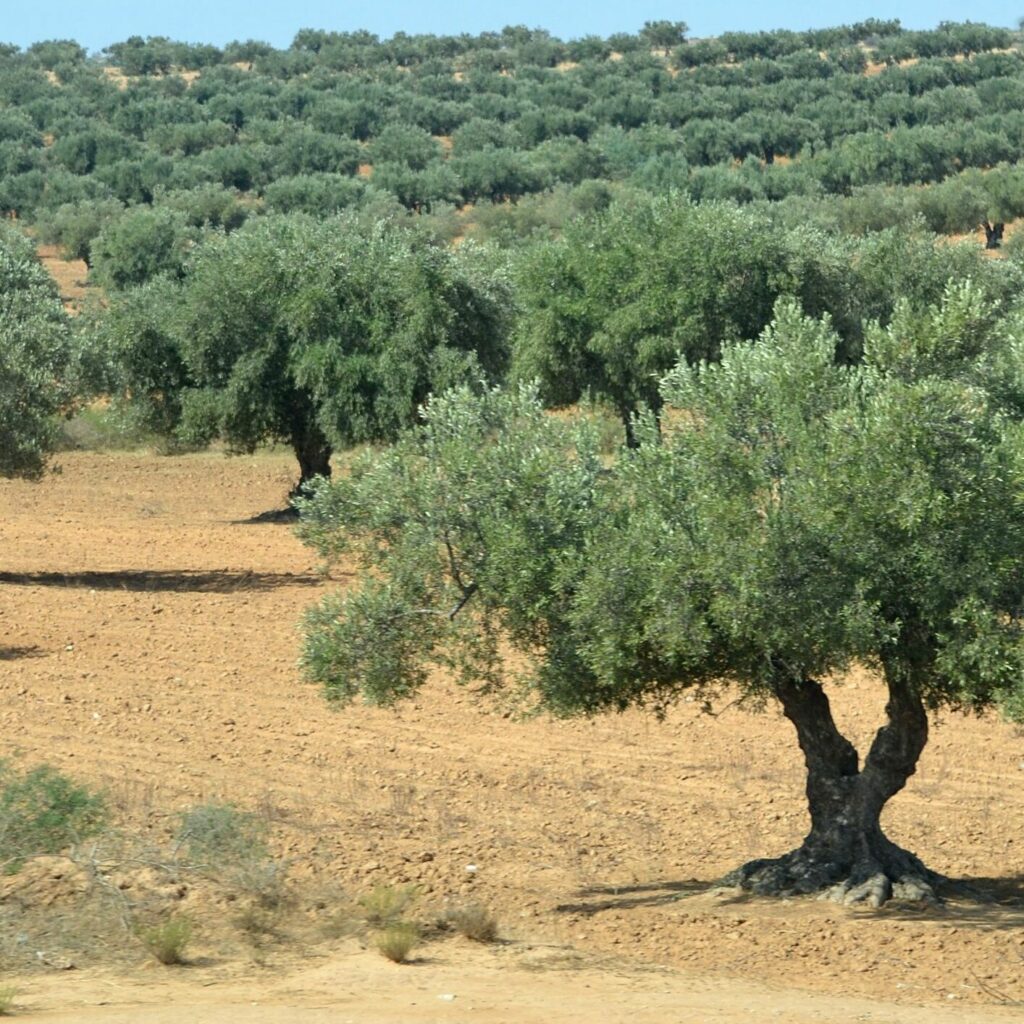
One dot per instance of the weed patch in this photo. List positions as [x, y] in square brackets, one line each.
[397, 941]
[385, 905]
[168, 939]
[474, 921]
[42, 811]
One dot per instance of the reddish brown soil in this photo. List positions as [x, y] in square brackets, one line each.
[148, 643]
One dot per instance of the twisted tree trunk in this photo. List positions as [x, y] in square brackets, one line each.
[846, 855]
[313, 451]
[993, 234]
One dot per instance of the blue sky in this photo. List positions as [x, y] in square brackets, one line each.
[99, 22]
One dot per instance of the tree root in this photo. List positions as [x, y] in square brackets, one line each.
[871, 880]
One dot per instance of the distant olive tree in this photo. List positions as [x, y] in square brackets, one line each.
[319, 335]
[610, 306]
[35, 350]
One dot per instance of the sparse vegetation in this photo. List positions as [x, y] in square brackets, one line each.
[397, 941]
[8, 993]
[214, 834]
[385, 905]
[474, 921]
[168, 939]
[43, 811]
[231, 845]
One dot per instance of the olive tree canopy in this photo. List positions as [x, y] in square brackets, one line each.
[319, 335]
[34, 359]
[793, 517]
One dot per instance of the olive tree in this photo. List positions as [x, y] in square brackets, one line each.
[34, 358]
[610, 306]
[319, 335]
[794, 516]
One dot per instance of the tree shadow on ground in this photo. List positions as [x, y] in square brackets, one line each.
[596, 899]
[995, 904]
[275, 515]
[13, 653]
[220, 581]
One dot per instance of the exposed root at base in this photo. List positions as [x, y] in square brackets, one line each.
[868, 881]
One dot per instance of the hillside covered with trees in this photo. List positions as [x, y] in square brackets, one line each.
[840, 126]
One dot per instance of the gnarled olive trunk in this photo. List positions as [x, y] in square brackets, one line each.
[313, 451]
[993, 234]
[628, 412]
[846, 855]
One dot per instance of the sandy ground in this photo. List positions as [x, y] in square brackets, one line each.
[148, 643]
[71, 276]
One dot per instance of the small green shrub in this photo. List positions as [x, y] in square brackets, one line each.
[258, 920]
[386, 904]
[42, 811]
[168, 939]
[218, 834]
[397, 941]
[231, 845]
[7, 995]
[475, 922]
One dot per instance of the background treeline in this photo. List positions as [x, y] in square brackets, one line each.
[302, 245]
[459, 127]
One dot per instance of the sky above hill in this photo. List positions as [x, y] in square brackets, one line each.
[101, 22]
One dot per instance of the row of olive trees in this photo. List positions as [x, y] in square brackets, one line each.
[845, 488]
[325, 334]
[72, 135]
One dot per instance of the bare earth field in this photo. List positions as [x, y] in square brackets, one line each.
[148, 644]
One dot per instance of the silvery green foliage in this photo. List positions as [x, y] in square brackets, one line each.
[792, 516]
[34, 354]
[470, 531]
[292, 323]
[614, 302]
[319, 335]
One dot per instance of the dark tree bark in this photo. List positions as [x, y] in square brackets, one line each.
[313, 451]
[846, 855]
[626, 414]
[993, 234]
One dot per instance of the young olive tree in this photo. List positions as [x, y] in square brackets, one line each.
[35, 353]
[793, 517]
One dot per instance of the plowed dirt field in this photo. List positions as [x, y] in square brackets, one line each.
[149, 634]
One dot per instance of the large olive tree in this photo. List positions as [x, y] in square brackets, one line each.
[794, 516]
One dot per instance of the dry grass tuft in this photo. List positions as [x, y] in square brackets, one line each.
[167, 941]
[397, 941]
[7, 996]
[474, 921]
[385, 905]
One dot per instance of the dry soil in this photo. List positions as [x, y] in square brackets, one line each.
[149, 634]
